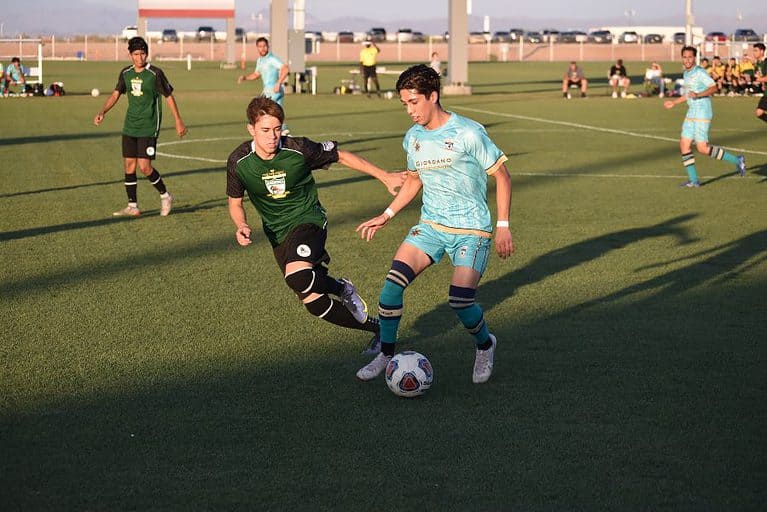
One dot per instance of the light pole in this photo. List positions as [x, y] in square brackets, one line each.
[630, 13]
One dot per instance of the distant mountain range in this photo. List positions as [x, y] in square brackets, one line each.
[72, 19]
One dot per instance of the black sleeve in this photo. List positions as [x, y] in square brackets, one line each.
[234, 186]
[318, 155]
[163, 86]
[121, 87]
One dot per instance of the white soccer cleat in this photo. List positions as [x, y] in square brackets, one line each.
[353, 302]
[623, 94]
[128, 211]
[483, 363]
[615, 94]
[375, 368]
[166, 204]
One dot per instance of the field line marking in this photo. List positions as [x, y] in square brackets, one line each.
[595, 128]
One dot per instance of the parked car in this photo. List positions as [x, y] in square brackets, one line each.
[516, 34]
[549, 34]
[745, 34]
[477, 37]
[653, 39]
[240, 35]
[377, 34]
[533, 37]
[628, 36]
[679, 37]
[500, 36]
[419, 37]
[600, 36]
[206, 33]
[169, 35]
[129, 31]
[566, 37]
[405, 35]
[345, 36]
[719, 37]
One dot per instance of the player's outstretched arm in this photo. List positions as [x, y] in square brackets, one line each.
[111, 100]
[392, 180]
[180, 126]
[240, 219]
[250, 76]
[409, 190]
[504, 244]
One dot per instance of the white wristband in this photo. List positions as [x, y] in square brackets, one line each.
[502, 224]
[389, 212]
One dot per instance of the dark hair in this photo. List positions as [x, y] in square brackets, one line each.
[16, 59]
[422, 78]
[137, 43]
[689, 49]
[760, 46]
[262, 38]
[263, 106]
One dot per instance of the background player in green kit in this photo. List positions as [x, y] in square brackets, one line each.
[144, 84]
[699, 87]
[450, 157]
[276, 171]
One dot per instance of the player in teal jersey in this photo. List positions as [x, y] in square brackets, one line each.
[699, 87]
[276, 172]
[144, 85]
[272, 72]
[450, 158]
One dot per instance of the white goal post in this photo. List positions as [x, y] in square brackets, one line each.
[30, 51]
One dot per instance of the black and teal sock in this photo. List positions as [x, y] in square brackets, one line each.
[391, 303]
[720, 154]
[688, 160]
[470, 314]
[131, 188]
[156, 180]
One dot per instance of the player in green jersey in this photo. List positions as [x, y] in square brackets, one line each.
[760, 62]
[144, 85]
[276, 172]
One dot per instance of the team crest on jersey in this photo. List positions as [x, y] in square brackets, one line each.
[303, 250]
[449, 145]
[417, 146]
[275, 184]
[135, 86]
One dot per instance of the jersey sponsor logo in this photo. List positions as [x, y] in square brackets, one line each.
[275, 184]
[303, 250]
[150, 151]
[135, 86]
[436, 163]
[328, 145]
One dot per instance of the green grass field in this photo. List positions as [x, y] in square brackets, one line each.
[153, 364]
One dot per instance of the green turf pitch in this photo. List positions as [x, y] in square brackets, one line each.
[153, 364]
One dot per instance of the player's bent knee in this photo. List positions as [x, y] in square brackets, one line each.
[301, 282]
[319, 307]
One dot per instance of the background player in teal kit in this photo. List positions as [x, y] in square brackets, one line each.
[450, 157]
[699, 87]
[272, 72]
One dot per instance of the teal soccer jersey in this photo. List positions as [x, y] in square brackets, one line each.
[697, 80]
[453, 163]
[269, 67]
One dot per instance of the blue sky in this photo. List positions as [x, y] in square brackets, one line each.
[109, 16]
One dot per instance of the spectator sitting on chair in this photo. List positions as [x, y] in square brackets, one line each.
[619, 79]
[747, 74]
[731, 77]
[717, 71]
[368, 58]
[653, 78]
[574, 78]
[14, 75]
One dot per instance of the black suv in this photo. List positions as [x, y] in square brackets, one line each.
[745, 34]
[206, 34]
[377, 34]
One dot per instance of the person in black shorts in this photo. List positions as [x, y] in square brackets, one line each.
[760, 77]
[574, 78]
[144, 84]
[276, 172]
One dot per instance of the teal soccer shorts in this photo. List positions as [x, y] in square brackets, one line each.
[464, 250]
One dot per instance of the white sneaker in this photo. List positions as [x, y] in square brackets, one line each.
[483, 363]
[166, 203]
[661, 95]
[353, 302]
[128, 211]
[375, 368]
[623, 94]
[615, 94]
[569, 96]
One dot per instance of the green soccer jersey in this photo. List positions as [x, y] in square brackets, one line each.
[282, 189]
[144, 91]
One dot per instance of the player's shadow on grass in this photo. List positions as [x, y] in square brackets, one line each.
[761, 171]
[720, 177]
[58, 137]
[442, 318]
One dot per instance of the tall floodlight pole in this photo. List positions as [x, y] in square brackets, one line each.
[689, 22]
[458, 52]
[278, 28]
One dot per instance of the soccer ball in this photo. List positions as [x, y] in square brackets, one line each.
[409, 374]
[95, 92]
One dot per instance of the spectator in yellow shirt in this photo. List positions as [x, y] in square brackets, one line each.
[368, 58]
